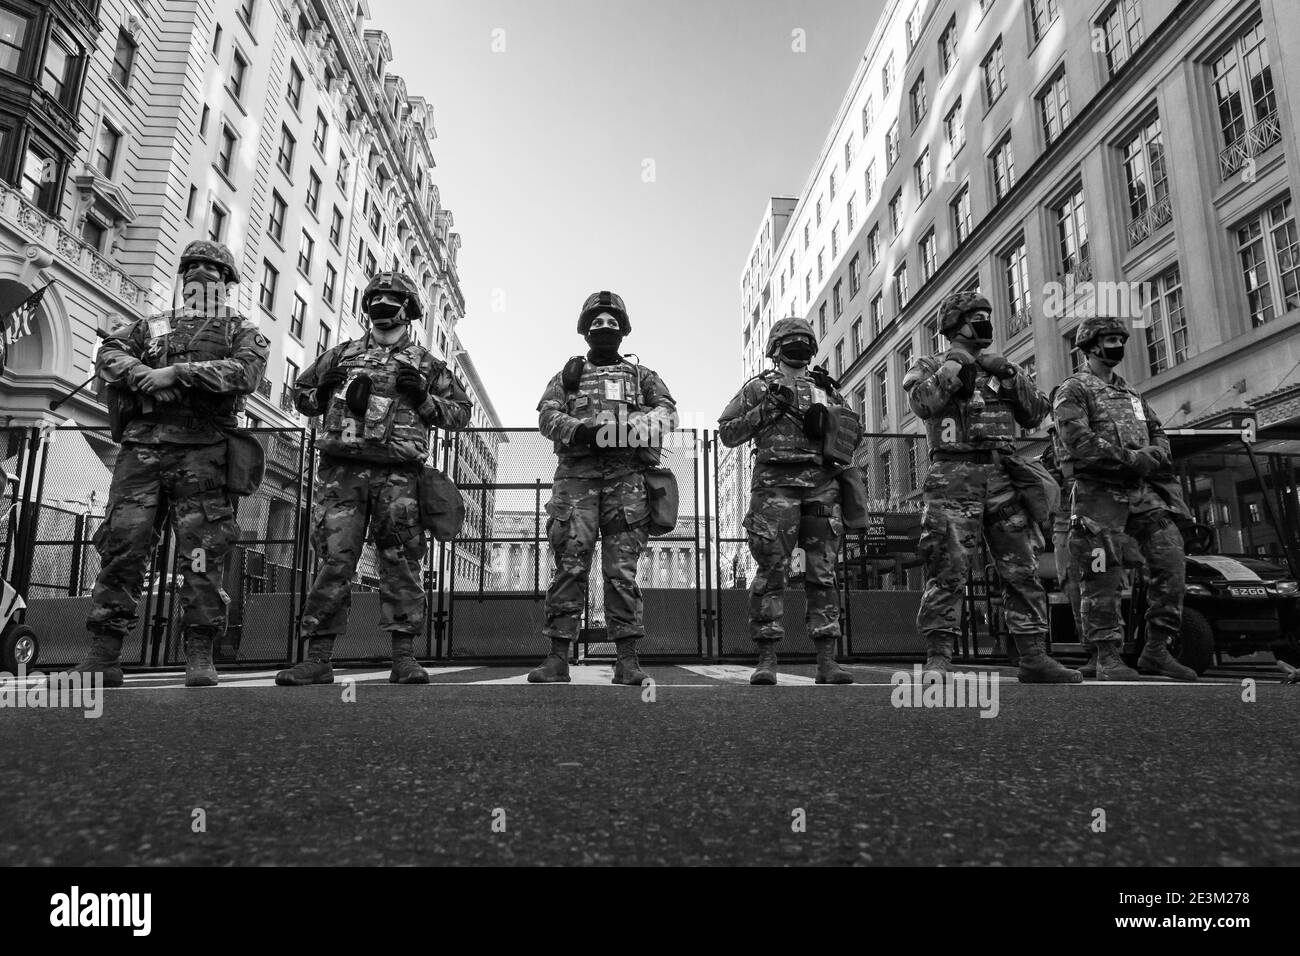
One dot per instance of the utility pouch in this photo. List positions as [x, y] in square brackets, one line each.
[662, 498]
[842, 435]
[442, 509]
[245, 462]
[853, 498]
[123, 407]
[1036, 488]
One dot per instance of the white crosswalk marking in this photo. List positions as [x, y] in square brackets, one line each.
[739, 674]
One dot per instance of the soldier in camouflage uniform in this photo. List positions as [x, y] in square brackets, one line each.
[795, 496]
[190, 369]
[971, 401]
[379, 395]
[1124, 500]
[1065, 576]
[604, 415]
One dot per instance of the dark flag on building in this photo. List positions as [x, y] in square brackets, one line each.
[18, 322]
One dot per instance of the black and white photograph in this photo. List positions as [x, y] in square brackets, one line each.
[651, 433]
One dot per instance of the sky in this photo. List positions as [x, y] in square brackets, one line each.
[629, 145]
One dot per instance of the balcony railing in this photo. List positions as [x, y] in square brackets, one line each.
[1144, 225]
[1264, 134]
[264, 388]
[284, 452]
[1018, 321]
[1080, 269]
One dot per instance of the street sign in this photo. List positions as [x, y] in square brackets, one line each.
[876, 536]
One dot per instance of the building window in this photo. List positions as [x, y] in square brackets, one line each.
[837, 298]
[887, 75]
[92, 233]
[948, 47]
[924, 179]
[868, 117]
[882, 412]
[321, 132]
[855, 274]
[1029, 365]
[1054, 108]
[322, 339]
[216, 41]
[859, 402]
[913, 26]
[807, 287]
[1270, 260]
[839, 358]
[270, 280]
[1072, 237]
[189, 205]
[336, 227]
[871, 181]
[848, 152]
[995, 80]
[294, 93]
[290, 376]
[376, 219]
[913, 449]
[821, 321]
[928, 255]
[857, 338]
[371, 266]
[1248, 124]
[819, 212]
[246, 10]
[891, 145]
[832, 185]
[123, 59]
[895, 213]
[849, 211]
[297, 316]
[918, 101]
[203, 121]
[1149, 206]
[900, 288]
[331, 280]
[217, 217]
[954, 128]
[58, 76]
[877, 315]
[1122, 26]
[1015, 268]
[1075, 360]
[835, 242]
[341, 178]
[13, 38]
[238, 67]
[960, 207]
[932, 336]
[873, 247]
[313, 192]
[275, 225]
[106, 146]
[1042, 13]
[821, 267]
[306, 249]
[226, 152]
[1004, 167]
[1167, 324]
[287, 145]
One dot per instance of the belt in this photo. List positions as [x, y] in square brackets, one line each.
[174, 418]
[992, 457]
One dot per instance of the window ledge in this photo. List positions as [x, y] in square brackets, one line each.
[278, 244]
[235, 99]
[225, 177]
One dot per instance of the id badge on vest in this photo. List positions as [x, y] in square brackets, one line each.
[159, 327]
[1138, 412]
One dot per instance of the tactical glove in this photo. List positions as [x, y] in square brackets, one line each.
[816, 422]
[583, 435]
[1147, 461]
[996, 365]
[329, 383]
[410, 384]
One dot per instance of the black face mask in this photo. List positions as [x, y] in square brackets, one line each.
[605, 341]
[1110, 357]
[796, 353]
[384, 315]
[983, 329]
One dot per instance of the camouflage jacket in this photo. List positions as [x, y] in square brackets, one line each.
[634, 390]
[783, 455]
[1100, 424]
[219, 358]
[983, 422]
[392, 430]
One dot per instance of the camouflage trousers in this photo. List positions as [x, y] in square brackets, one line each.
[962, 502]
[780, 518]
[185, 484]
[352, 496]
[1113, 528]
[579, 508]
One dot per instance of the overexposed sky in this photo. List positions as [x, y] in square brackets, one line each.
[543, 150]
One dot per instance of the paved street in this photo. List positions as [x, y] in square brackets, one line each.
[711, 771]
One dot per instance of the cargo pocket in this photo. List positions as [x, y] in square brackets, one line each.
[379, 418]
[101, 533]
[217, 507]
[558, 524]
[636, 511]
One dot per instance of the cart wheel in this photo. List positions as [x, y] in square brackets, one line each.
[1194, 646]
[19, 647]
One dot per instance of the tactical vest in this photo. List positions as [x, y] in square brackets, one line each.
[188, 335]
[605, 394]
[390, 430]
[984, 421]
[1116, 414]
[783, 441]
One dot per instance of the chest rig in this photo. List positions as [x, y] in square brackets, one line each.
[784, 441]
[603, 397]
[181, 336]
[985, 420]
[364, 416]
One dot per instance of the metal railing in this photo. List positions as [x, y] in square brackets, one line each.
[1141, 228]
[1254, 141]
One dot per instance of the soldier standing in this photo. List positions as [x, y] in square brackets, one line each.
[971, 401]
[794, 495]
[603, 413]
[185, 372]
[1115, 449]
[379, 395]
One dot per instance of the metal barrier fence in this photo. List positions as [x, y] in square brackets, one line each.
[485, 590]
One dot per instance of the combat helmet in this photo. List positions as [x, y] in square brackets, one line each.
[787, 328]
[396, 282]
[599, 302]
[1097, 326]
[953, 309]
[212, 253]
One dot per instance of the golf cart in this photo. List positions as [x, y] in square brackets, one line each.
[18, 644]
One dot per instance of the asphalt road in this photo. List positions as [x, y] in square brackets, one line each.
[711, 771]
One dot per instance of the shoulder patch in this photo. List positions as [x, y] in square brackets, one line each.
[261, 340]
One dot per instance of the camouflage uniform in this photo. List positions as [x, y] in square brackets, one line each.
[172, 464]
[1119, 516]
[794, 500]
[368, 473]
[1065, 576]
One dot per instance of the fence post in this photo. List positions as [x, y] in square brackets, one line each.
[707, 446]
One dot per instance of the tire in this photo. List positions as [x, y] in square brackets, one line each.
[1195, 645]
[19, 646]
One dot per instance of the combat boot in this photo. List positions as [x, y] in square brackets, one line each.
[628, 669]
[829, 672]
[1038, 667]
[939, 658]
[1156, 659]
[1110, 666]
[199, 669]
[406, 669]
[103, 658]
[765, 669]
[1089, 670]
[315, 668]
[555, 669]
